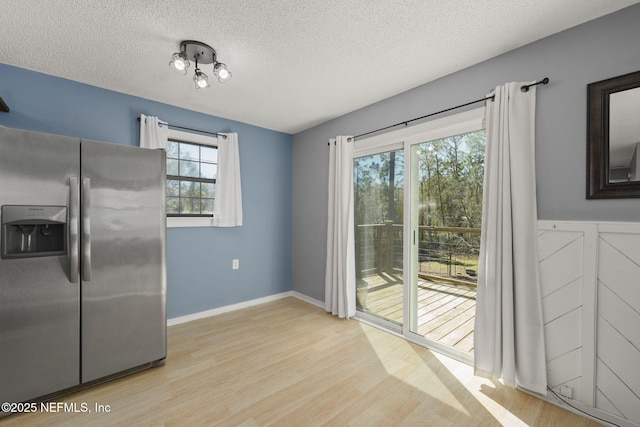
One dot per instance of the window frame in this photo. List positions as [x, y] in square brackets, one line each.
[199, 139]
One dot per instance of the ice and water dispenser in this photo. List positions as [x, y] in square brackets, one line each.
[33, 231]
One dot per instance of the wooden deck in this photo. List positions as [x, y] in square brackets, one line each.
[446, 311]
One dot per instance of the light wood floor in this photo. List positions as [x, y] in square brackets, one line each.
[288, 363]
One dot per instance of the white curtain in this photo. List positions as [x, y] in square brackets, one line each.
[227, 208]
[340, 288]
[509, 330]
[153, 132]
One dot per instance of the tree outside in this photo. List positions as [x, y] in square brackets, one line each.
[450, 177]
[450, 182]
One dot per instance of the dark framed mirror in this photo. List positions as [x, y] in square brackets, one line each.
[613, 137]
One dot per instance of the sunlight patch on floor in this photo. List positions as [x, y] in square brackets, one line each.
[397, 360]
[427, 366]
[481, 388]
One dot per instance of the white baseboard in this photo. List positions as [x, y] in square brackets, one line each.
[227, 308]
[241, 305]
[308, 299]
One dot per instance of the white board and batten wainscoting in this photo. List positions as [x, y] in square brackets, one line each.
[590, 277]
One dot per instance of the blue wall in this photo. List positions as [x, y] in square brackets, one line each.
[199, 274]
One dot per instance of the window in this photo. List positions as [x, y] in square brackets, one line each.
[191, 178]
[192, 169]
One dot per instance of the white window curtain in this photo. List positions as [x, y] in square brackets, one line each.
[509, 329]
[227, 208]
[340, 289]
[153, 132]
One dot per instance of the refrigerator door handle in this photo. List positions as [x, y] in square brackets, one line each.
[74, 203]
[86, 230]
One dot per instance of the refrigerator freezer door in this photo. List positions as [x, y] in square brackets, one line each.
[39, 304]
[123, 298]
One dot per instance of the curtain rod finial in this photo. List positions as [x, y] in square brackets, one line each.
[541, 82]
[3, 106]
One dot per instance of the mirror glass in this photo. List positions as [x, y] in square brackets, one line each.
[624, 136]
[613, 137]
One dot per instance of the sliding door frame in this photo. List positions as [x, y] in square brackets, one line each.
[406, 138]
[363, 150]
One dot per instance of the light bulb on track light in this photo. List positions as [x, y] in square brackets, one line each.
[200, 79]
[221, 71]
[179, 63]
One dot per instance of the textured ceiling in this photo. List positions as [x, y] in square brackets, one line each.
[295, 63]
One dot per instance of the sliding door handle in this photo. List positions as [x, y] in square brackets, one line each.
[73, 225]
[86, 229]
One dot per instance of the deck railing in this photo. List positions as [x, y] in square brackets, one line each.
[378, 248]
[444, 253]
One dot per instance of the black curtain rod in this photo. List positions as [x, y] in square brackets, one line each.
[192, 130]
[524, 88]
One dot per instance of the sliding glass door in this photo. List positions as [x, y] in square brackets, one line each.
[446, 214]
[378, 216]
[417, 257]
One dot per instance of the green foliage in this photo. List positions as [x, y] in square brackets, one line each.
[450, 180]
[379, 188]
[450, 176]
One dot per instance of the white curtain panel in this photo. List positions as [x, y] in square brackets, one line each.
[509, 329]
[153, 132]
[340, 288]
[227, 208]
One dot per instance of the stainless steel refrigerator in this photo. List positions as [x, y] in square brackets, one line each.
[82, 272]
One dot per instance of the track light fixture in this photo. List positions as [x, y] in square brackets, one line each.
[200, 53]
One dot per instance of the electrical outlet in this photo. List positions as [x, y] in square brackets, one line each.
[566, 391]
[235, 264]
